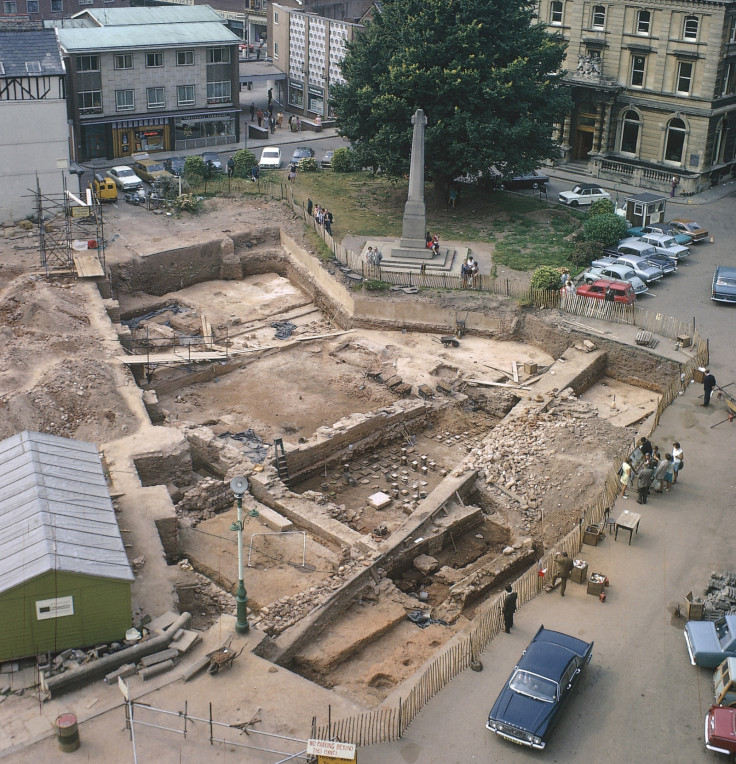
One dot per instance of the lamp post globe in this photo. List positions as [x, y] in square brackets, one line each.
[239, 486]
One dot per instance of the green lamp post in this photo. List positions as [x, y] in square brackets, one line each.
[239, 486]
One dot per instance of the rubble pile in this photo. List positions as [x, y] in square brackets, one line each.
[203, 501]
[720, 595]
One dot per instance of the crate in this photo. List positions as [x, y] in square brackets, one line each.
[699, 375]
[592, 535]
[685, 340]
[579, 575]
[694, 611]
[595, 588]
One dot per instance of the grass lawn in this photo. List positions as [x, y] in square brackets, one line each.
[524, 231]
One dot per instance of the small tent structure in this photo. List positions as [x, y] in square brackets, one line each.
[65, 579]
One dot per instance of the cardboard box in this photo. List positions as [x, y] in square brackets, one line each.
[694, 611]
[595, 588]
[699, 375]
[579, 575]
[592, 535]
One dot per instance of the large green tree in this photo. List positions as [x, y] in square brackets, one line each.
[485, 72]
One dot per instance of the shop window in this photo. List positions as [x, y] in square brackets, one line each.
[154, 60]
[599, 17]
[185, 95]
[218, 92]
[156, 98]
[630, 127]
[88, 63]
[185, 58]
[124, 100]
[690, 28]
[638, 65]
[684, 77]
[555, 13]
[124, 61]
[89, 101]
[675, 141]
[218, 55]
[643, 22]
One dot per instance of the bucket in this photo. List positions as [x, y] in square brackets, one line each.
[67, 733]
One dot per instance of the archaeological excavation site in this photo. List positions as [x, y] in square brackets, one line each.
[396, 483]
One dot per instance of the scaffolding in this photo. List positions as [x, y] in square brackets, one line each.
[71, 233]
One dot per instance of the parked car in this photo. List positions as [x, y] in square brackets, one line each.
[583, 193]
[634, 250]
[175, 165]
[710, 642]
[647, 272]
[326, 161]
[531, 179]
[270, 158]
[125, 178]
[690, 227]
[301, 152]
[667, 264]
[539, 687]
[213, 158]
[666, 245]
[724, 284]
[724, 683]
[665, 228]
[621, 291]
[105, 188]
[720, 730]
[150, 170]
[611, 272]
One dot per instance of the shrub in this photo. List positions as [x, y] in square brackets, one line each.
[188, 203]
[168, 188]
[585, 252]
[195, 169]
[244, 161]
[606, 228]
[343, 160]
[546, 277]
[602, 207]
[308, 164]
[375, 285]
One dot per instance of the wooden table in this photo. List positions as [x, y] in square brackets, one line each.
[629, 521]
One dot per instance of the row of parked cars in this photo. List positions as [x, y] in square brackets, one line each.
[150, 170]
[647, 255]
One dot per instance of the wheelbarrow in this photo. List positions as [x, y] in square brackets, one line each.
[222, 658]
[450, 340]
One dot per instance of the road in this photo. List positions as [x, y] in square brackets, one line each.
[641, 700]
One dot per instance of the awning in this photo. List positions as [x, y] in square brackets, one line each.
[160, 119]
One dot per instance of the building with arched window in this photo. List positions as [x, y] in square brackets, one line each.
[653, 89]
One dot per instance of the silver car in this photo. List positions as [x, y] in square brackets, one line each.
[611, 272]
[666, 245]
[641, 267]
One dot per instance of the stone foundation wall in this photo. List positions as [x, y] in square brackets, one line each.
[161, 467]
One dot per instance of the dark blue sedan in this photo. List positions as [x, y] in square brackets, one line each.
[546, 676]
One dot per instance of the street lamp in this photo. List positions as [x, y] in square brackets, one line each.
[239, 485]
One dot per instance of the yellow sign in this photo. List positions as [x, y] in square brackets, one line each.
[331, 751]
[81, 212]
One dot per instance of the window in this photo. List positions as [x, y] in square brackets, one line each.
[11, 7]
[218, 55]
[156, 98]
[32, 6]
[124, 100]
[124, 61]
[733, 30]
[718, 143]
[218, 92]
[185, 58]
[33, 67]
[684, 77]
[275, 50]
[630, 132]
[675, 141]
[185, 95]
[57, 6]
[555, 12]
[88, 63]
[643, 22]
[599, 16]
[89, 101]
[275, 17]
[690, 28]
[729, 70]
[154, 59]
[638, 64]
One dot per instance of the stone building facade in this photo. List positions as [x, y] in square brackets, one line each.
[653, 86]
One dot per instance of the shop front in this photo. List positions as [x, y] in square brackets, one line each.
[135, 135]
[200, 130]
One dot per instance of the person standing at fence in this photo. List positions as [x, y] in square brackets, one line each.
[328, 222]
[709, 382]
[509, 608]
[564, 571]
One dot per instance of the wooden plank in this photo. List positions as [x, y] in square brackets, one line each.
[515, 371]
[163, 358]
[88, 266]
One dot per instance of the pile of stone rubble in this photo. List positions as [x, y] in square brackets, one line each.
[719, 595]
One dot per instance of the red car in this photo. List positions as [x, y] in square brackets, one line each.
[720, 730]
[622, 290]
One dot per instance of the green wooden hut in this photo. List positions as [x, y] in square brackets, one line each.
[65, 580]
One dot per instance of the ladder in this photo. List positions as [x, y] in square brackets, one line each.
[281, 466]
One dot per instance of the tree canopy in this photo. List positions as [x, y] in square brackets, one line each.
[485, 72]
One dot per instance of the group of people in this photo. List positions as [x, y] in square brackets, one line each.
[566, 286]
[373, 258]
[657, 473]
[468, 271]
[321, 214]
[267, 117]
[433, 242]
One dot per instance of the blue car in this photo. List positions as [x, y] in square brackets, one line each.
[711, 642]
[664, 228]
[539, 686]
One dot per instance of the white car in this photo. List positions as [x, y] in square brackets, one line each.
[583, 193]
[614, 272]
[125, 178]
[270, 158]
[666, 245]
